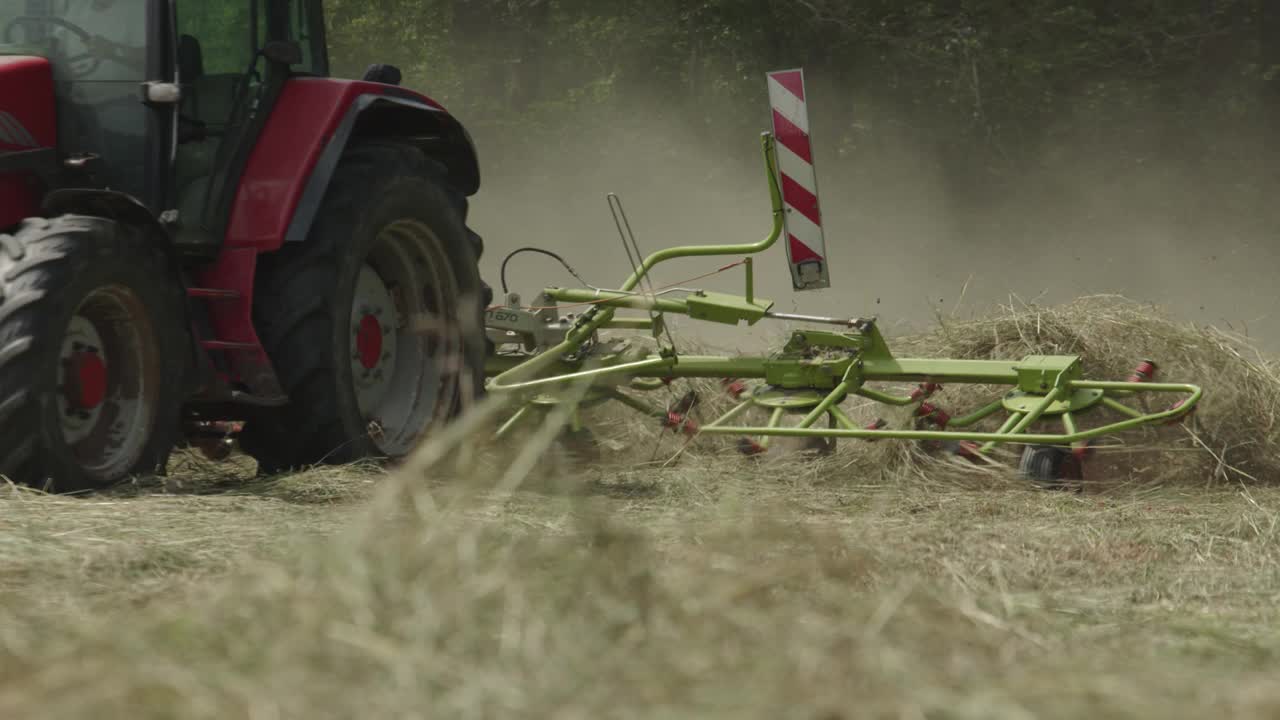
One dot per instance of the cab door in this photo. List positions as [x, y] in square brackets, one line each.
[229, 89]
[216, 48]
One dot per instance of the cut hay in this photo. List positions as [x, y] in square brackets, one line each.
[713, 587]
[460, 591]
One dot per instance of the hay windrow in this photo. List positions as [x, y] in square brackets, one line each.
[1231, 438]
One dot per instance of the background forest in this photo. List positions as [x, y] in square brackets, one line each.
[987, 83]
[964, 139]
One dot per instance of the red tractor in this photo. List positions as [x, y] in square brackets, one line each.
[200, 226]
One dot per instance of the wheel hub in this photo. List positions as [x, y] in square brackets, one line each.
[86, 380]
[406, 295]
[374, 320]
[369, 341]
[107, 389]
[798, 400]
[83, 378]
[1079, 401]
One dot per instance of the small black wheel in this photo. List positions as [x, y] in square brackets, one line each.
[822, 446]
[93, 351]
[1051, 466]
[374, 322]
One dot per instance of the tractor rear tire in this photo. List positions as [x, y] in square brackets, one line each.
[93, 350]
[375, 322]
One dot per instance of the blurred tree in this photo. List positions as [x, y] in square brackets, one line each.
[985, 82]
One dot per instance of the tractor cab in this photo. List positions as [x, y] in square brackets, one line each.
[155, 99]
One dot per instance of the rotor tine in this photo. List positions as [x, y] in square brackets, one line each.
[635, 245]
[629, 236]
[629, 244]
[615, 209]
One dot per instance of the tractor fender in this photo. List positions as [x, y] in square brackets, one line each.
[390, 116]
[121, 207]
[310, 125]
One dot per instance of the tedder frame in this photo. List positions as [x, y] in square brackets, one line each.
[539, 356]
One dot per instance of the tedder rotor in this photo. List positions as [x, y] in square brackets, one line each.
[544, 360]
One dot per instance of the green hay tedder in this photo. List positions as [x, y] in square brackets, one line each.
[544, 359]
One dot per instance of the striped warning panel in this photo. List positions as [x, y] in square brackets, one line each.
[806, 246]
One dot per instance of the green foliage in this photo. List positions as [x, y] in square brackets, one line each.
[986, 80]
[223, 29]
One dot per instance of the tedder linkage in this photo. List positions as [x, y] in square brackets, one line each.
[544, 360]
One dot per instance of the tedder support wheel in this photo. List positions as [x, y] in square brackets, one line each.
[1050, 466]
[374, 322]
[92, 354]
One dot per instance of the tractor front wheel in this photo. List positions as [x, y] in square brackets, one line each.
[373, 323]
[92, 352]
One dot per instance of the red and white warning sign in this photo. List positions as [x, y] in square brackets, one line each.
[806, 246]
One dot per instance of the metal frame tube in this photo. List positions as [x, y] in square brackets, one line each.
[638, 405]
[836, 395]
[1038, 410]
[1009, 423]
[731, 414]
[883, 398]
[977, 416]
[775, 423]
[1069, 423]
[842, 418]
[1120, 408]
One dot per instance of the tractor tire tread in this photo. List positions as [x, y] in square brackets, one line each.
[10, 245]
[16, 303]
[10, 405]
[17, 459]
[11, 350]
[31, 260]
[39, 261]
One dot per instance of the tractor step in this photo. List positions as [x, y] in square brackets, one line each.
[227, 345]
[213, 294]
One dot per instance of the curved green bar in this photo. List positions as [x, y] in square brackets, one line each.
[883, 398]
[1001, 436]
[601, 315]
[775, 201]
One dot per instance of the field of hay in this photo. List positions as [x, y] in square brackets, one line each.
[478, 582]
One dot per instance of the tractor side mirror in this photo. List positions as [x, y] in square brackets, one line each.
[386, 74]
[283, 52]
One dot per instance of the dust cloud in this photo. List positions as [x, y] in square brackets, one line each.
[907, 241]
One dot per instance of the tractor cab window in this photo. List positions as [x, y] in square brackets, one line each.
[87, 40]
[306, 28]
[221, 75]
[217, 44]
[98, 52]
